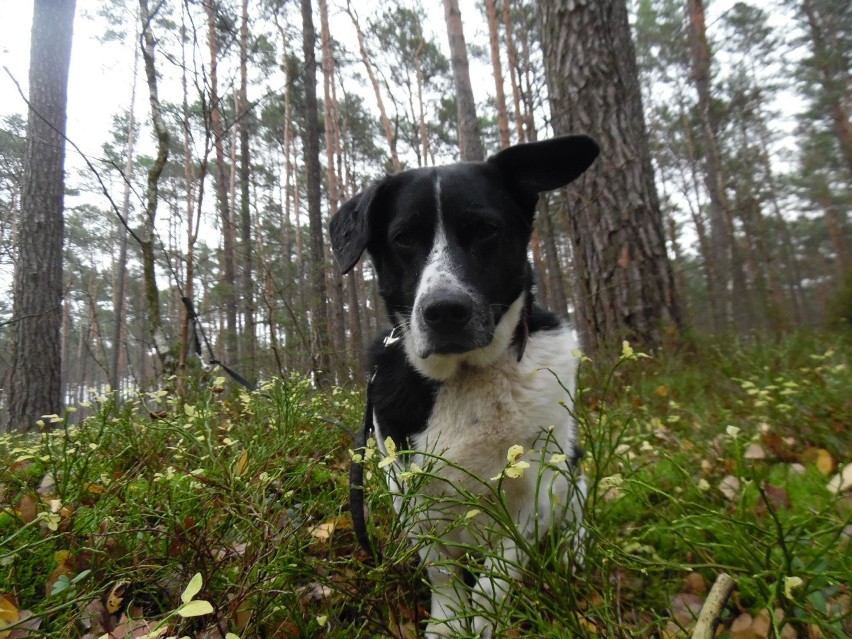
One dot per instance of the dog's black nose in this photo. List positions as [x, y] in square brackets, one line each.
[447, 310]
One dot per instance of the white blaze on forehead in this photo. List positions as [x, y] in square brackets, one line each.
[438, 270]
[438, 273]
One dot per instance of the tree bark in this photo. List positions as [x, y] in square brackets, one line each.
[34, 375]
[319, 308]
[470, 141]
[496, 64]
[512, 54]
[624, 285]
[149, 277]
[222, 205]
[247, 272]
[120, 269]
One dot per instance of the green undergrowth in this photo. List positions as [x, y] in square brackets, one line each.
[723, 458]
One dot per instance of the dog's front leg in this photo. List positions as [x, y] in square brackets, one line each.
[500, 568]
[447, 602]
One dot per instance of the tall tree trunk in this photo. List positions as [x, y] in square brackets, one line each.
[120, 269]
[34, 375]
[249, 337]
[497, 66]
[332, 151]
[319, 309]
[624, 284]
[720, 215]
[421, 110]
[835, 81]
[512, 54]
[149, 276]
[228, 228]
[470, 141]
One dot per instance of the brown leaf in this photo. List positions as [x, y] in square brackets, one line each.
[777, 496]
[694, 583]
[27, 508]
[133, 628]
[741, 628]
[685, 608]
[762, 624]
[27, 627]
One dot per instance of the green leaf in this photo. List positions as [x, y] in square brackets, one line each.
[192, 588]
[195, 609]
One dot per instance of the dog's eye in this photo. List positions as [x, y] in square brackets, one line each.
[404, 239]
[485, 232]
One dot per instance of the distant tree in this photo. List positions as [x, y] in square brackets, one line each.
[624, 287]
[825, 176]
[223, 206]
[33, 378]
[470, 140]
[319, 308]
[246, 269]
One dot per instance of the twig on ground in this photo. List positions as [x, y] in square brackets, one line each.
[708, 618]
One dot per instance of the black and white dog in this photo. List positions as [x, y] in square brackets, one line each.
[472, 372]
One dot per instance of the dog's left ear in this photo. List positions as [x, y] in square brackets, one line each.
[350, 228]
[549, 164]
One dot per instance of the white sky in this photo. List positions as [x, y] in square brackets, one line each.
[99, 82]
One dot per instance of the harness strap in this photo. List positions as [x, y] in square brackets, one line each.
[356, 483]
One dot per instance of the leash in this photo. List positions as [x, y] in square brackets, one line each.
[356, 480]
[198, 329]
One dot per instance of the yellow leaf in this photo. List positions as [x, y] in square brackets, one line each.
[192, 588]
[240, 468]
[116, 596]
[195, 609]
[8, 612]
[821, 458]
[189, 410]
[324, 530]
[514, 452]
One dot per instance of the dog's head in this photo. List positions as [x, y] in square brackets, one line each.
[449, 245]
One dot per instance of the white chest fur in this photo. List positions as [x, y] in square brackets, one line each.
[480, 413]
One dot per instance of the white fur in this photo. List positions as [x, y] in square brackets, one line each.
[487, 403]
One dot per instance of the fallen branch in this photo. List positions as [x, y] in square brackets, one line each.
[708, 618]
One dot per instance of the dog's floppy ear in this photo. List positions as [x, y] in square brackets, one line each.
[350, 228]
[549, 164]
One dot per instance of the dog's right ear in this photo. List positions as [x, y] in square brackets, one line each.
[350, 228]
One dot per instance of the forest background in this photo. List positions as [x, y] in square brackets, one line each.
[750, 146]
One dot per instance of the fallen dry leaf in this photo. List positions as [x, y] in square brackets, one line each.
[777, 496]
[695, 584]
[116, 596]
[730, 487]
[821, 458]
[842, 481]
[741, 627]
[27, 508]
[754, 451]
[27, 627]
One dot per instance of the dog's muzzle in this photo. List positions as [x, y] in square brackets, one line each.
[449, 321]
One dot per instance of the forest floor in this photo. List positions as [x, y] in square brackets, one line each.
[225, 515]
